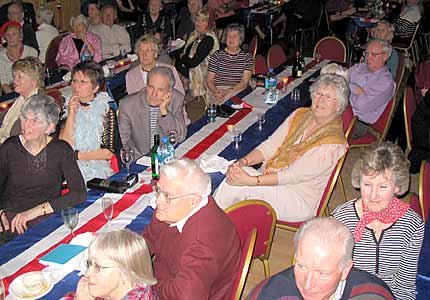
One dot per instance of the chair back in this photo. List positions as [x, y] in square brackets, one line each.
[409, 107]
[424, 189]
[330, 48]
[400, 71]
[260, 65]
[52, 51]
[276, 56]
[414, 202]
[56, 94]
[253, 45]
[348, 120]
[247, 244]
[249, 214]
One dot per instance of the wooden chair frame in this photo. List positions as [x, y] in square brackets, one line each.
[412, 45]
[408, 124]
[421, 188]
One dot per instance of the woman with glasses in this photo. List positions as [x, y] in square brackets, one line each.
[119, 267]
[297, 160]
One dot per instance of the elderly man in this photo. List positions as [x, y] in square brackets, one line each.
[385, 31]
[114, 37]
[15, 12]
[195, 245]
[45, 32]
[371, 85]
[323, 268]
[156, 109]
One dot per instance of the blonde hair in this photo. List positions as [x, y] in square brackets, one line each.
[129, 251]
[32, 67]
[202, 13]
[148, 39]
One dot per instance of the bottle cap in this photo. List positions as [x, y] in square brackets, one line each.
[165, 139]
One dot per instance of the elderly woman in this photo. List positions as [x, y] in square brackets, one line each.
[155, 21]
[119, 267]
[147, 49]
[406, 22]
[335, 69]
[33, 166]
[28, 75]
[91, 126]
[186, 18]
[45, 31]
[388, 233]
[231, 68]
[15, 50]
[76, 43]
[193, 61]
[297, 159]
[385, 31]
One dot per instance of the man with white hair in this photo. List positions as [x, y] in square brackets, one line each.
[195, 245]
[45, 32]
[323, 268]
[384, 30]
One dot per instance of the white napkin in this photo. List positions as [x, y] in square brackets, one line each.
[211, 163]
[132, 57]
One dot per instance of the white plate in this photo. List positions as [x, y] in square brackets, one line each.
[19, 292]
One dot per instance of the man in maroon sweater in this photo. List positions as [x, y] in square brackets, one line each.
[195, 245]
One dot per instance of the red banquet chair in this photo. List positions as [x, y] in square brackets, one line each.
[247, 243]
[258, 214]
[330, 48]
[52, 51]
[424, 190]
[409, 107]
[276, 56]
[260, 65]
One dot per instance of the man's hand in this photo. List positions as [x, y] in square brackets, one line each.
[165, 101]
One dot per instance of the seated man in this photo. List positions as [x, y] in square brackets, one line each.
[195, 245]
[114, 37]
[323, 268]
[371, 85]
[15, 12]
[385, 31]
[156, 109]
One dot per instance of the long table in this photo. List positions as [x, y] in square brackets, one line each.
[132, 210]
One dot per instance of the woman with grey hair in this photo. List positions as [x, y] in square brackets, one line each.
[33, 166]
[297, 159]
[119, 267]
[45, 31]
[229, 69]
[73, 45]
[384, 30]
[388, 233]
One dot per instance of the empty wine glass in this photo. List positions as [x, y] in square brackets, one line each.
[237, 138]
[253, 83]
[172, 137]
[127, 157]
[107, 205]
[70, 216]
[2, 290]
[211, 112]
[261, 119]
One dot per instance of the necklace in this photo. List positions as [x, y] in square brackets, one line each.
[14, 57]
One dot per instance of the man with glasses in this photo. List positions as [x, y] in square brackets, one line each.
[195, 245]
[371, 85]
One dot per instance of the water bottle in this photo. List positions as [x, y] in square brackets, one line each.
[267, 81]
[85, 54]
[270, 87]
[166, 151]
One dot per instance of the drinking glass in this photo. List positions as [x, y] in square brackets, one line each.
[111, 67]
[172, 137]
[107, 205]
[237, 138]
[295, 94]
[261, 119]
[211, 112]
[70, 216]
[253, 83]
[2, 290]
[123, 53]
[127, 157]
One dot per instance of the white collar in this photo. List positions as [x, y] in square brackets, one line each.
[181, 223]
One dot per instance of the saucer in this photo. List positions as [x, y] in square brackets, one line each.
[19, 292]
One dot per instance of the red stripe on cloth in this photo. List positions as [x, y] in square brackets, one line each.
[92, 225]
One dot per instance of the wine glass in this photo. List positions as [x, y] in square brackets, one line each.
[237, 138]
[107, 205]
[70, 216]
[261, 119]
[172, 137]
[127, 157]
[211, 112]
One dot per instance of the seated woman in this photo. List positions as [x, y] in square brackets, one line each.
[94, 15]
[45, 31]
[186, 19]
[297, 159]
[388, 233]
[28, 76]
[193, 61]
[147, 49]
[406, 22]
[76, 43]
[91, 126]
[33, 166]
[154, 21]
[14, 51]
[335, 69]
[119, 267]
[231, 68]
[385, 31]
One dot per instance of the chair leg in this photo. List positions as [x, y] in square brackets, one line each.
[342, 187]
[266, 267]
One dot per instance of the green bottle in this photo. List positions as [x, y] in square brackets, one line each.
[154, 158]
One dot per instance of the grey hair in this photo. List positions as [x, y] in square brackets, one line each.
[46, 15]
[129, 251]
[390, 29]
[379, 158]
[148, 39]
[235, 27]
[335, 69]
[166, 72]
[44, 108]
[79, 19]
[338, 83]
[327, 232]
[19, 5]
[386, 47]
[20, 31]
[188, 171]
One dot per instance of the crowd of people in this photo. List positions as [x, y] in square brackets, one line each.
[368, 248]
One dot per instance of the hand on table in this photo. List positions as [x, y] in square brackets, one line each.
[19, 222]
[236, 175]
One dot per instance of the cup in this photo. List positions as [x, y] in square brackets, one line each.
[111, 67]
[33, 282]
[295, 94]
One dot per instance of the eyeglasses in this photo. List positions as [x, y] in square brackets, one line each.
[167, 197]
[97, 268]
[373, 54]
[32, 122]
[322, 95]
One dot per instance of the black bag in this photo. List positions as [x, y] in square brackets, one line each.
[118, 187]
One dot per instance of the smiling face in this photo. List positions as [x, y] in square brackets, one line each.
[201, 24]
[147, 54]
[79, 28]
[233, 40]
[377, 190]
[324, 103]
[23, 83]
[13, 36]
[107, 281]
[375, 56]
[381, 32]
[108, 16]
[32, 127]
[194, 6]
[83, 87]
[93, 10]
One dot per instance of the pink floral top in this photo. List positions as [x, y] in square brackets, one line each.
[137, 293]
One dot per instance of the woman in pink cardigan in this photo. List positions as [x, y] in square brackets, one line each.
[72, 45]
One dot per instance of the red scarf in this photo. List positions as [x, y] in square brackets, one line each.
[394, 211]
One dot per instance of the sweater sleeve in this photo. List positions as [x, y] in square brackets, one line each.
[202, 51]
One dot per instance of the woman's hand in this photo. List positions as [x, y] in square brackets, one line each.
[236, 175]
[74, 105]
[19, 222]
[82, 292]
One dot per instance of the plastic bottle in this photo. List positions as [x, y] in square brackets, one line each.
[166, 151]
[85, 54]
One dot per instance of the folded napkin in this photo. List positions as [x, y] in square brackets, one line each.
[132, 57]
[211, 163]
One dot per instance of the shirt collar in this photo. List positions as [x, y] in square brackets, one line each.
[181, 223]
